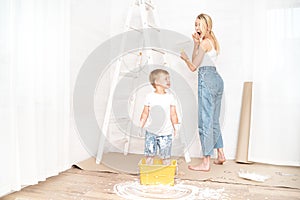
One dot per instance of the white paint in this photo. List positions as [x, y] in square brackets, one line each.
[134, 190]
[252, 176]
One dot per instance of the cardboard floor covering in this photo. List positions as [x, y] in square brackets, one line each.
[279, 176]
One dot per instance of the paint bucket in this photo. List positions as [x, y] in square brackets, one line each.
[157, 173]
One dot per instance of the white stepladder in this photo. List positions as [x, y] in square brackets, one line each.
[149, 19]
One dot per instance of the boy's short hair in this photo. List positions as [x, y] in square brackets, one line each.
[155, 74]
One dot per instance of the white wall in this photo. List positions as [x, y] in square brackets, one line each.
[235, 24]
[93, 22]
[88, 30]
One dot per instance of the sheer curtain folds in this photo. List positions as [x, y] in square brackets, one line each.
[34, 89]
[276, 85]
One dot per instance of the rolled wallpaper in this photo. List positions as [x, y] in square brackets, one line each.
[245, 123]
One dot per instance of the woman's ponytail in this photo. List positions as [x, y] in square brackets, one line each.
[217, 46]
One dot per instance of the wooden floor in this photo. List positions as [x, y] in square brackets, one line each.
[86, 185]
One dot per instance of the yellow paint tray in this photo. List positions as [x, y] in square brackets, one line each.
[157, 173]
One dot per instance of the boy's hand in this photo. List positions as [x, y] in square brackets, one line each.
[142, 123]
[176, 129]
[174, 135]
[141, 132]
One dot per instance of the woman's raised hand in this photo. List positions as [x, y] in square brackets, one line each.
[196, 38]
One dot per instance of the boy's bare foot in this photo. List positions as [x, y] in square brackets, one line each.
[166, 161]
[149, 161]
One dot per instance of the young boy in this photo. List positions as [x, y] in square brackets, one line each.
[160, 105]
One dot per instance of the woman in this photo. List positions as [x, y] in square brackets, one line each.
[210, 90]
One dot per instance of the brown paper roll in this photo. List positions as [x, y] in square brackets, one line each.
[245, 122]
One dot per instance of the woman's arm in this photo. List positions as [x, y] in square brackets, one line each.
[196, 38]
[193, 65]
[195, 51]
[186, 59]
[198, 54]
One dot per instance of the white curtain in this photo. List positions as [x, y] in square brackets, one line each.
[275, 133]
[34, 89]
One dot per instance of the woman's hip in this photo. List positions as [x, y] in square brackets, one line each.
[209, 78]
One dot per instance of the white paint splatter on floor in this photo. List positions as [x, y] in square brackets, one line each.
[134, 190]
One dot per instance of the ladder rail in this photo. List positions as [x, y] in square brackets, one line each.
[143, 15]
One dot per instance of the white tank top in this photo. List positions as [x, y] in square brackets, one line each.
[210, 57]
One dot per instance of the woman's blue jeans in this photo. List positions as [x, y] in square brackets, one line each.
[210, 91]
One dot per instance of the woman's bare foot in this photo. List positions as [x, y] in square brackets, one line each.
[221, 158]
[199, 167]
[203, 166]
[219, 161]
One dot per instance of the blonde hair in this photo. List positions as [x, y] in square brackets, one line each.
[155, 74]
[208, 23]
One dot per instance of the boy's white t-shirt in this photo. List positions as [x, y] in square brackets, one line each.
[159, 119]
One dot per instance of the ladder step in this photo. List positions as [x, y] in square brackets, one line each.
[158, 50]
[154, 27]
[135, 29]
[149, 4]
[128, 74]
[123, 120]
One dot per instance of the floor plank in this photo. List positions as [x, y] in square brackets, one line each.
[91, 185]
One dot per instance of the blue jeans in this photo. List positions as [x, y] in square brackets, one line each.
[210, 90]
[154, 142]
